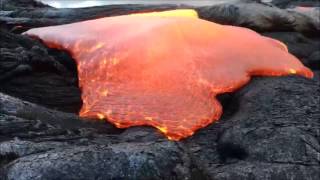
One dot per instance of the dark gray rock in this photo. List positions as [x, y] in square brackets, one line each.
[314, 60]
[260, 17]
[311, 12]
[141, 134]
[272, 171]
[269, 130]
[29, 64]
[121, 161]
[20, 148]
[14, 4]
[274, 130]
[293, 3]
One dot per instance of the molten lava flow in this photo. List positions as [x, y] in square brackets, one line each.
[171, 13]
[164, 71]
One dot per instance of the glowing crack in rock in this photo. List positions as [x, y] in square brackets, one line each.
[164, 71]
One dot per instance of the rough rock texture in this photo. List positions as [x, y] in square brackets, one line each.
[292, 3]
[260, 17]
[257, 16]
[270, 129]
[274, 130]
[152, 160]
[21, 55]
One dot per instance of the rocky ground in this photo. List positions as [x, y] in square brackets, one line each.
[270, 129]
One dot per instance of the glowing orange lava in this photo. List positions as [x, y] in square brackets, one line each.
[164, 71]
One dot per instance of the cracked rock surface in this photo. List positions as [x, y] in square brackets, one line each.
[270, 129]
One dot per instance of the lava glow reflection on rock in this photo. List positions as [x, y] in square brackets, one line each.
[164, 71]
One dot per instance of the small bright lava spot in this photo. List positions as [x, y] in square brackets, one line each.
[163, 129]
[292, 71]
[105, 92]
[100, 116]
[148, 118]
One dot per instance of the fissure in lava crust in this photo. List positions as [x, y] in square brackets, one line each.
[164, 70]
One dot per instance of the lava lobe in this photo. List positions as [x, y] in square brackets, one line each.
[164, 70]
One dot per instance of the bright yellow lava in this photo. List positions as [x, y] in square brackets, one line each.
[172, 13]
[100, 116]
[292, 71]
[163, 129]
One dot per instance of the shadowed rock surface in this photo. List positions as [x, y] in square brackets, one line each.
[270, 129]
[292, 3]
